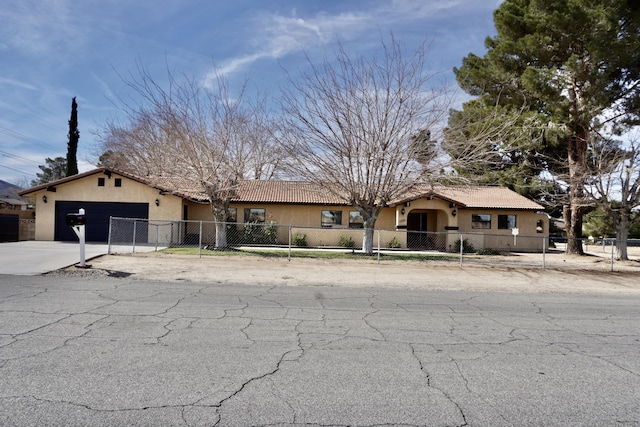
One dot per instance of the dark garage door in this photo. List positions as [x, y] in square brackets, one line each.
[98, 214]
[9, 228]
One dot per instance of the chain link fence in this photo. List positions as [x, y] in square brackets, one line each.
[498, 250]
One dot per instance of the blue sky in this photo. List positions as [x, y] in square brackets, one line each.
[53, 50]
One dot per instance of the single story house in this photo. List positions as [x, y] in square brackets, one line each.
[427, 217]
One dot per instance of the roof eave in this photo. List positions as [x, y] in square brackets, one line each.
[103, 170]
[429, 194]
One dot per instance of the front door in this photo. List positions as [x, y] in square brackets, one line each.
[417, 236]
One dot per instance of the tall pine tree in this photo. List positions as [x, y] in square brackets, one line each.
[74, 137]
[574, 67]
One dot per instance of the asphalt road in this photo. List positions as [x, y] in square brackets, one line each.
[103, 351]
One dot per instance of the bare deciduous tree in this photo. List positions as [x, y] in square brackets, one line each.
[352, 123]
[615, 185]
[194, 138]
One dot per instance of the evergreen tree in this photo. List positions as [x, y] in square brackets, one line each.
[52, 170]
[74, 137]
[573, 67]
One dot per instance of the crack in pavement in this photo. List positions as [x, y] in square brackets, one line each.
[260, 339]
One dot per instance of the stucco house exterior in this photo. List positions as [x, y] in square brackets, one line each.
[428, 216]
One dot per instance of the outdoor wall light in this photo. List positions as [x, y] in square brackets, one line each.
[44, 198]
[402, 211]
[454, 212]
[157, 202]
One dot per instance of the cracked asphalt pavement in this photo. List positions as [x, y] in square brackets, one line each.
[103, 351]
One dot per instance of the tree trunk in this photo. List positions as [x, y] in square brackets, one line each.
[573, 226]
[622, 234]
[221, 235]
[367, 240]
[220, 215]
[577, 160]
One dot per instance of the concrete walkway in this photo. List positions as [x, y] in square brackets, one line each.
[38, 257]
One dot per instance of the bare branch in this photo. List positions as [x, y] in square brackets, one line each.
[351, 123]
[205, 136]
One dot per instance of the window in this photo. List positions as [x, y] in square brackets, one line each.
[254, 215]
[118, 182]
[355, 220]
[481, 221]
[506, 222]
[539, 226]
[331, 218]
[100, 182]
[232, 215]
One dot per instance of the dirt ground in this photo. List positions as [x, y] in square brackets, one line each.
[586, 274]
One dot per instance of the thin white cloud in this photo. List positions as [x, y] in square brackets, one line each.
[425, 9]
[235, 64]
[281, 35]
[85, 166]
[17, 83]
[40, 28]
[106, 90]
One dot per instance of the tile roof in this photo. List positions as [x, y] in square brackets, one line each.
[301, 192]
[298, 192]
[487, 197]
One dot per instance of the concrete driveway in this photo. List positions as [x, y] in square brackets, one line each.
[38, 257]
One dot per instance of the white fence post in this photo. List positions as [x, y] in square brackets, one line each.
[378, 246]
[544, 252]
[133, 249]
[613, 247]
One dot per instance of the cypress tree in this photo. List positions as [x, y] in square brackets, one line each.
[74, 137]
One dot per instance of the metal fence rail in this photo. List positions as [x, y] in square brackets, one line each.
[125, 234]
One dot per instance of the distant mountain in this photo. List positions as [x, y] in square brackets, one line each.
[10, 191]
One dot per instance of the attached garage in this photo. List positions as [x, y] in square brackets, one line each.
[103, 193]
[97, 214]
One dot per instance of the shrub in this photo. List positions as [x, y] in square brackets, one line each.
[270, 233]
[394, 243]
[467, 246]
[487, 251]
[254, 233]
[299, 239]
[347, 242]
